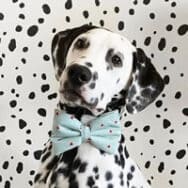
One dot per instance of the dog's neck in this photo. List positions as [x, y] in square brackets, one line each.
[84, 115]
[78, 112]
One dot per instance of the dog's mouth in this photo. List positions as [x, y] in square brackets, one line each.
[73, 96]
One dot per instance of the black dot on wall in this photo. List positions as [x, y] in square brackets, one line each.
[173, 4]
[28, 131]
[167, 152]
[127, 124]
[8, 142]
[5, 165]
[132, 138]
[13, 104]
[172, 60]
[146, 128]
[135, 2]
[21, 5]
[152, 15]
[174, 48]
[131, 11]
[1, 16]
[40, 44]
[46, 9]
[169, 27]
[25, 152]
[166, 79]
[101, 23]
[45, 87]
[46, 57]
[67, 18]
[147, 41]
[121, 25]
[116, 9]
[173, 172]
[32, 30]
[23, 60]
[12, 45]
[85, 14]
[151, 141]
[68, 4]
[37, 154]
[162, 44]
[97, 3]
[158, 103]
[28, 141]
[18, 28]
[42, 112]
[178, 95]
[31, 95]
[19, 168]
[1, 62]
[43, 76]
[146, 2]
[180, 154]
[185, 111]
[25, 49]
[161, 167]
[52, 96]
[22, 123]
[166, 123]
[32, 172]
[21, 16]
[41, 20]
[172, 15]
[147, 164]
[54, 30]
[1, 92]
[19, 79]
[182, 30]
[7, 184]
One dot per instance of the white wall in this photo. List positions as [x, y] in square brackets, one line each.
[18, 145]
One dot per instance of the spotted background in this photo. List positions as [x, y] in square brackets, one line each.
[156, 138]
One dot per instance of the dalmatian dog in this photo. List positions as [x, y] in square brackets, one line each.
[98, 72]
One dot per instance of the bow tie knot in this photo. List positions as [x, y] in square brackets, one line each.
[86, 133]
[103, 132]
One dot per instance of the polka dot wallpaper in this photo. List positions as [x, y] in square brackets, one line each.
[156, 138]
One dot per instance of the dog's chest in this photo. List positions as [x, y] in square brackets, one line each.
[88, 167]
[96, 168]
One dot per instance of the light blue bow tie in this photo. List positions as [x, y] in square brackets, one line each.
[104, 132]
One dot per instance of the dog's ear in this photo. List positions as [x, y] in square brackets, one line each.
[61, 43]
[145, 85]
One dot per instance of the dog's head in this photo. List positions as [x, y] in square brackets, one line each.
[98, 69]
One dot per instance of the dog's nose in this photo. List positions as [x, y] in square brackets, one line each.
[79, 75]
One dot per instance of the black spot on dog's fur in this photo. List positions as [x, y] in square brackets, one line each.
[102, 96]
[92, 85]
[109, 55]
[89, 64]
[95, 76]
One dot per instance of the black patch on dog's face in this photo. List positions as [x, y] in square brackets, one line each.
[95, 76]
[89, 64]
[81, 44]
[114, 59]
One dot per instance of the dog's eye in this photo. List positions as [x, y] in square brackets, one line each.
[116, 60]
[81, 43]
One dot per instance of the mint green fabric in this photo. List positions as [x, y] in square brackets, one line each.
[104, 132]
